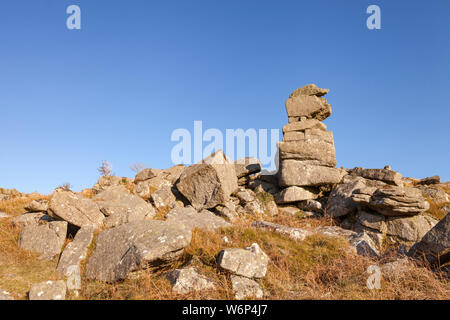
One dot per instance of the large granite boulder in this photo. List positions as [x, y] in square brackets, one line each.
[297, 173]
[388, 176]
[311, 151]
[135, 245]
[210, 182]
[435, 245]
[75, 209]
[294, 194]
[309, 106]
[46, 239]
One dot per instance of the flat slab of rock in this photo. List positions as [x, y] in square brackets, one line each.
[37, 206]
[48, 290]
[135, 245]
[434, 245]
[430, 180]
[28, 219]
[293, 233]
[210, 182]
[190, 218]
[297, 173]
[76, 250]
[188, 279]
[250, 262]
[313, 151]
[46, 239]
[294, 194]
[245, 288]
[304, 125]
[120, 206]
[385, 175]
[75, 209]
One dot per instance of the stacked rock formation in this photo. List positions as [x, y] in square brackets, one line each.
[307, 153]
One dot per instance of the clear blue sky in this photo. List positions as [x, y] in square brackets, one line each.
[138, 69]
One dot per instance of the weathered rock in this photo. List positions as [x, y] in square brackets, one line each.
[144, 189]
[46, 239]
[297, 173]
[397, 201]
[105, 182]
[245, 288]
[387, 176]
[120, 206]
[209, 183]
[434, 193]
[310, 151]
[364, 245]
[173, 173]
[245, 195]
[48, 290]
[75, 209]
[76, 250]
[188, 279]
[294, 194]
[303, 125]
[163, 198]
[372, 220]
[247, 166]
[147, 174]
[309, 90]
[435, 245]
[227, 210]
[308, 106]
[5, 295]
[250, 262]
[190, 218]
[37, 206]
[430, 180]
[310, 205]
[340, 201]
[409, 228]
[28, 219]
[135, 245]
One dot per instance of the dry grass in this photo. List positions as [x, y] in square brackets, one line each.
[436, 209]
[16, 205]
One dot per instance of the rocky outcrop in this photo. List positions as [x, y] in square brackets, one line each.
[135, 245]
[245, 288]
[75, 209]
[307, 153]
[210, 182]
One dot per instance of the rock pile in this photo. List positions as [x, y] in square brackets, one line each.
[307, 153]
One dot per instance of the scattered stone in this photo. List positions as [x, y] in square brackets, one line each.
[430, 180]
[37, 206]
[289, 210]
[75, 209]
[434, 245]
[310, 205]
[188, 279]
[294, 194]
[29, 219]
[105, 182]
[135, 245]
[210, 182]
[250, 262]
[46, 239]
[247, 166]
[163, 198]
[340, 201]
[76, 250]
[190, 218]
[245, 288]
[144, 189]
[48, 290]
[296, 234]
